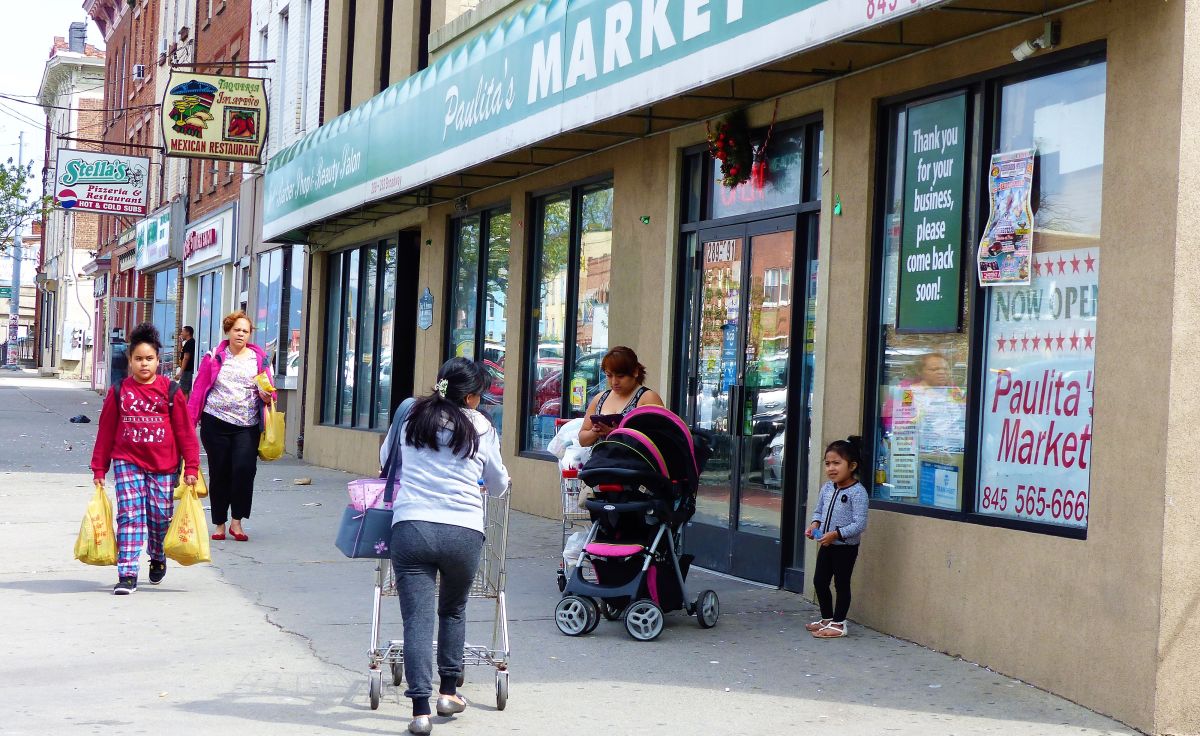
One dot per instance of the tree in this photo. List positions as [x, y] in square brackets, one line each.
[17, 203]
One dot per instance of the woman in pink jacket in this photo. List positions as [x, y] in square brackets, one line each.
[232, 411]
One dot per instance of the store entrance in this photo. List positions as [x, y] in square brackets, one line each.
[746, 360]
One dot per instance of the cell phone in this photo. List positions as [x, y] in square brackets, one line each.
[608, 420]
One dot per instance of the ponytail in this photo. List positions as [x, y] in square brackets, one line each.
[443, 409]
[850, 450]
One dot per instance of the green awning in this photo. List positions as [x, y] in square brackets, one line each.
[550, 67]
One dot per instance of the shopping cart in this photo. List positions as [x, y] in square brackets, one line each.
[489, 584]
[573, 517]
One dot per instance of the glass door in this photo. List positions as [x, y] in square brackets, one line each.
[740, 374]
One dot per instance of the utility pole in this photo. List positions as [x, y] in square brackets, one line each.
[14, 294]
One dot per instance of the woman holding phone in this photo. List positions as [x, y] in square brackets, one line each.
[625, 393]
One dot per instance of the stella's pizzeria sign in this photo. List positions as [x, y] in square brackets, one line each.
[214, 117]
[93, 181]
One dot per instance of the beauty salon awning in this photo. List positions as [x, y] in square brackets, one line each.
[557, 80]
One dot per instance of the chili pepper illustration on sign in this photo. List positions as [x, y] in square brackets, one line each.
[241, 124]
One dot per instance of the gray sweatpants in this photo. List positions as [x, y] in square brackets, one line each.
[421, 550]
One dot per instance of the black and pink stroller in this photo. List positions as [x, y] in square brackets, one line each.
[644, 475]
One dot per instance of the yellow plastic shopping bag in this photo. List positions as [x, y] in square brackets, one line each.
[96, 544]
[181, 487]
[270, 444]
[187, 536]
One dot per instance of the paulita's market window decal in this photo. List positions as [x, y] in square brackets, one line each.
[92, 181]
[212, 117]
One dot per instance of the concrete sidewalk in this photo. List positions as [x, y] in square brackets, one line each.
[272, 637]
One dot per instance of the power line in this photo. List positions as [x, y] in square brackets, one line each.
[20, 118]
[78, 109]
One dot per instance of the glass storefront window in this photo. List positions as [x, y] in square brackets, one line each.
[356, 385]
[268, 302]
[1040, 337]
[920, 438]
[166, 302]
[569, 307]
[210, 291]
[295, 314]
[478, 299]
[278, 309]
[1015, 344]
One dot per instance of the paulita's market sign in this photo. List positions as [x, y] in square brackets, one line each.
[92, 181]
[212, 117]
[551, 66]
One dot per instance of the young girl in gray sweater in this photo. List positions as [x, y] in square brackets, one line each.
[838, 522]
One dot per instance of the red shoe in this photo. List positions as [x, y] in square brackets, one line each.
[218, 537]
[238, 537]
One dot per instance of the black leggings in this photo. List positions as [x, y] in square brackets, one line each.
[835, 562]
[232, 461]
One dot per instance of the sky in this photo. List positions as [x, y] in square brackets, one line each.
[26, 37]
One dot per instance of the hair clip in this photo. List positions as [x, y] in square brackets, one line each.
[441, 387]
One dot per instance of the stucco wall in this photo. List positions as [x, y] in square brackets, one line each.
[1177, 702]
[1079, 618]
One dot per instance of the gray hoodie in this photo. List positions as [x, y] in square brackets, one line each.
[842, 510]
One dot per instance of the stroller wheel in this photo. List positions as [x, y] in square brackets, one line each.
[708, 608]
[611, 611]
[576, 616]
[644, 620]
[562, 581]
[593, 616]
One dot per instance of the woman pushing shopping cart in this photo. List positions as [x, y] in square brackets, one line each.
[442, 513]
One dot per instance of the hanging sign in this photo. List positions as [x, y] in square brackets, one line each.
[425, 309]
[92, 181]
[157, 243]
[930, 292]
[1007, 243]
[1036, 436]
[214, 117]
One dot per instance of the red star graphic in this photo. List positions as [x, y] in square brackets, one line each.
[1075, 263]
[1024, 343]
[1059, 341]
[1037, 343]
[1000, 344]
[1074, 341]
[1091, 263]
[1088, 339]
[1062, 265]
[1012, 344]
[1037, 268]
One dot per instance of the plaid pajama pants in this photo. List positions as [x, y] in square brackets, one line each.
[145, 503]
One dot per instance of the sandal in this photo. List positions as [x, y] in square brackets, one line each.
[834, 630]
[818, 625]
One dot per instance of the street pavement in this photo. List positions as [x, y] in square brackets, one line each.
[271, 638]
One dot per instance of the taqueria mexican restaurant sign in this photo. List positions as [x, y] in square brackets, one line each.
[550, 67]
[91, 181]
[214, 117]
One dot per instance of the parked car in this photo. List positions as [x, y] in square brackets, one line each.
[547, 392]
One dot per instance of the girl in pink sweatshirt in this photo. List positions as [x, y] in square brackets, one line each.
[144, 431]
